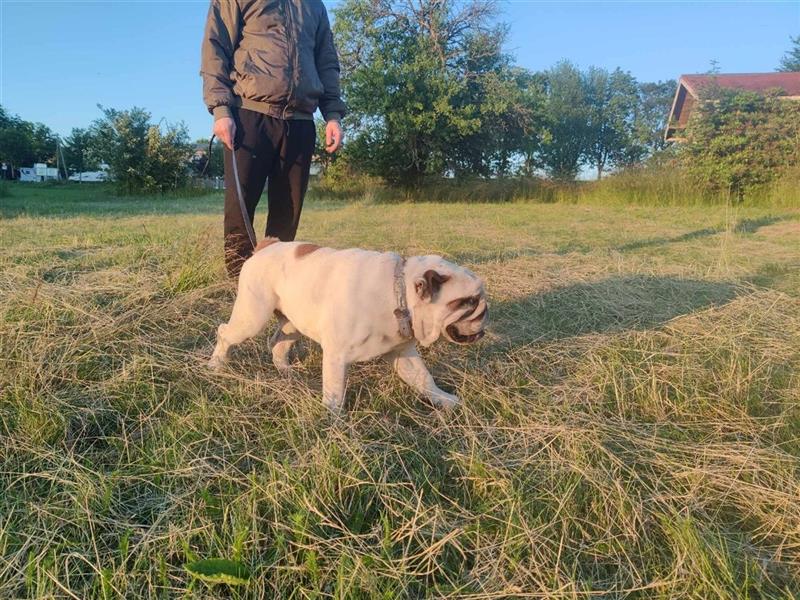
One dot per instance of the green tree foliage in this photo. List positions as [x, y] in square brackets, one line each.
[791, 60]
[167, 155]
[77, 150]
[429, 88]
[23, 143]
[564, 145]
[142, 157]
[16, 148]
[432, 93]
[652, 112]
[509, 103]
[44, 143]
[601, 118]
[736, 140]
[612, 99]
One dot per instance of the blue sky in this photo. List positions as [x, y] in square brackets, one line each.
[61, 58]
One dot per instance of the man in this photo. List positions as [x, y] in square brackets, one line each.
[267, 65]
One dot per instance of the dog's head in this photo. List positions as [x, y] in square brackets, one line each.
[449, 301]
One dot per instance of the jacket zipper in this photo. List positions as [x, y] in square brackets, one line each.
[292, 46]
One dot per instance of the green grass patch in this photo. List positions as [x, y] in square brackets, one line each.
[630, 423]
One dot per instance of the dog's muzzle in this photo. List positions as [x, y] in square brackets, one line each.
[468, 329]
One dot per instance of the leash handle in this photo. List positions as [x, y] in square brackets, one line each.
[251, 234]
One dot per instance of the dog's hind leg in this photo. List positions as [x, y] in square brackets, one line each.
[282, 342]
[250, 314]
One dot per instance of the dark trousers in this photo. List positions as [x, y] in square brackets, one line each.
[270, 149]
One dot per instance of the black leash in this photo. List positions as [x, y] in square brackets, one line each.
[242, 206]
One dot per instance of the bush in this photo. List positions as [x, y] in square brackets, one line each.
[5, 188]
[142, 157]
[741, 142]
[660, 183]
[501, 189]
[340, 181]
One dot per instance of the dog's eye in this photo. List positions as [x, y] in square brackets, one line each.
[473, 301]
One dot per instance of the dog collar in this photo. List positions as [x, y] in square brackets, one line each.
[401, 313]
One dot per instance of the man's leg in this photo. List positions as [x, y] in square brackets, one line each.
[288, 179]
[255, 153]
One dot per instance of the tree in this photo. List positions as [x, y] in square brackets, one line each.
[417, 76]
[25, 143]
[120, 141]
[78, 151]
[44, 143]
[791, 60]
[611, 103]
[736, 140]
[6, 120]
[563, 147]
[652, 112]
[141, 157]
[16, 147]
[167, 157]
[509, 103]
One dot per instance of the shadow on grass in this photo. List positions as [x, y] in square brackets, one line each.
[743, 226]
[612, 305]
[781, 276]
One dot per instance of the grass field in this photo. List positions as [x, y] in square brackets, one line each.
[630, 427]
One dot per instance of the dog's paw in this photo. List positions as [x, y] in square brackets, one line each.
[215, 363]
[334, 405]
[444, 401]
[284, 369]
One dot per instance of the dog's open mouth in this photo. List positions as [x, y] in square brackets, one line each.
[459, 338]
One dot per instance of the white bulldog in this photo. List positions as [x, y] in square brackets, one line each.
[357, 305]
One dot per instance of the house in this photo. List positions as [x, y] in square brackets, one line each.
[38, 172]
[690, 88]
[89, 177]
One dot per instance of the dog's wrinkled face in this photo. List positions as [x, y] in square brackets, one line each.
[451, 303]
[468, 319]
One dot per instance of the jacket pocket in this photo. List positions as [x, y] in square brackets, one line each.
[311, 88]
[262, 79]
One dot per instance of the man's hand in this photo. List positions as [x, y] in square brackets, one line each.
[225, 130]
[333, 136]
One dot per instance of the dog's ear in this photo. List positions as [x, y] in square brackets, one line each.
[429, 284]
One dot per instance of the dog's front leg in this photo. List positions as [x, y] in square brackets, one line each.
[334, 381]
[411, 369]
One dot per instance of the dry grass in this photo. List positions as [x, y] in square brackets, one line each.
[631, 425]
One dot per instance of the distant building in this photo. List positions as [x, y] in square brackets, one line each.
[690, 87]
[38, 172]
[89, 177]
[92, 176]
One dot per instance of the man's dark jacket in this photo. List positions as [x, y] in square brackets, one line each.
[276, 57]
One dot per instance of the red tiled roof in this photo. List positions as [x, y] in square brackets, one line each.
[756, 82]
[691, 86]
